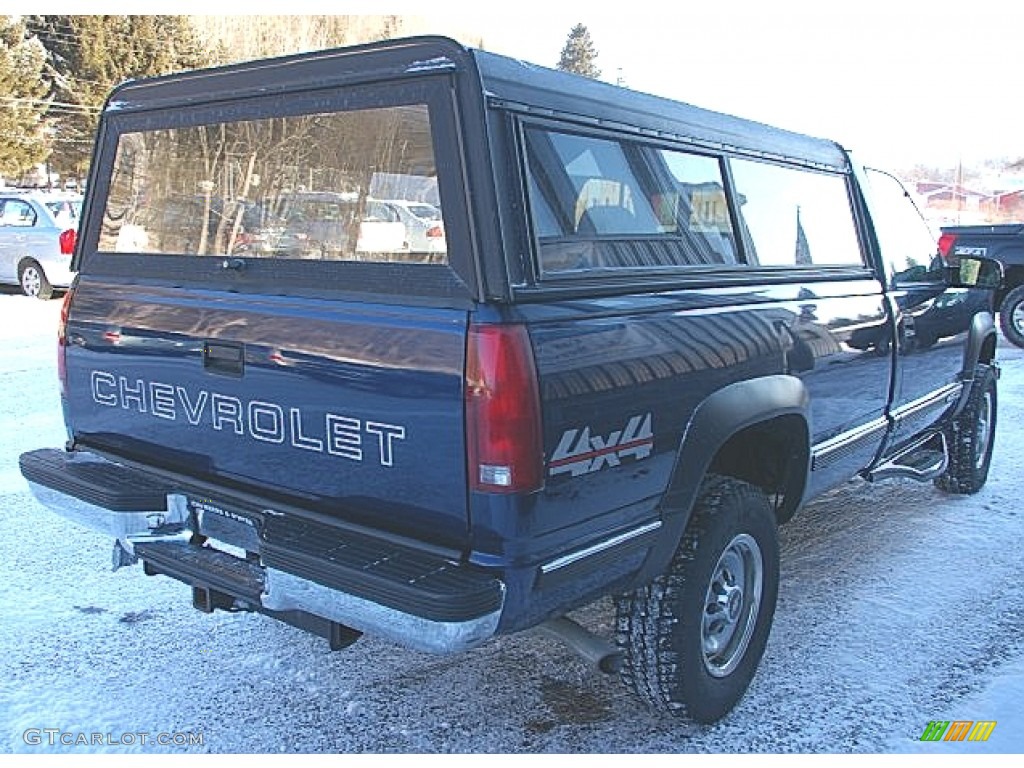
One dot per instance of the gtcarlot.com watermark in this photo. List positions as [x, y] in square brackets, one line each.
[53, 737]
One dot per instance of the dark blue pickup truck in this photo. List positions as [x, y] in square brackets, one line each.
[641, 336]
[1003, 243]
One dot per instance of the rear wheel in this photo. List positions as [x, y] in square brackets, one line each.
[1011, 316]
[693, 638]
[971, 437]
[33, 280]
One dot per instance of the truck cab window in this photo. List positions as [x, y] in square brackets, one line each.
[795, 216]
[909, 249]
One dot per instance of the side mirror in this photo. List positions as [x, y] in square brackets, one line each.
[974, 272]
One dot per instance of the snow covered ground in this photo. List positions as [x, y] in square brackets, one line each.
[898, 606]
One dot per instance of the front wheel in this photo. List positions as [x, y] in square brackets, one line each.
[1011, 316]
[33, 280]
[971, 437]
[693, 638]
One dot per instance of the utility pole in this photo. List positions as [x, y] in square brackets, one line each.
[958, 189]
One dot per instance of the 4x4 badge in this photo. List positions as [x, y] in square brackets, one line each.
[579, 452]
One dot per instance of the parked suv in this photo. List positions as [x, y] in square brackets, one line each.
[37, 238]
[635, 358]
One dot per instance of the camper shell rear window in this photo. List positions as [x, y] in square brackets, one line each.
[308, 186]
[352, 189]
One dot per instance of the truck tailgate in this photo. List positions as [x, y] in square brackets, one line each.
[353, 409]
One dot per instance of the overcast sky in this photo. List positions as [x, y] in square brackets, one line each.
[899, 81]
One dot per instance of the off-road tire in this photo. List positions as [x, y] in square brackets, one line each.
[1013, 327]
[663, 628]
[32, 280]
[971, 436]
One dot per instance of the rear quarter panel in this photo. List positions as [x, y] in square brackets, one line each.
[621, 378]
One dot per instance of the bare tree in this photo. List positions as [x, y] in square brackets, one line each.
[242, 38]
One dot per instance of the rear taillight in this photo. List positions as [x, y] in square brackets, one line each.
[946, 242]
[62, 343]
[503, 429]
[435, 231]
[67, 241]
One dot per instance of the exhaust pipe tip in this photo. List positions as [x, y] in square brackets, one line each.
[598, 652]
[611, 663]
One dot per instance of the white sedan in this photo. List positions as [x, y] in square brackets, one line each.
[424, 228]
[37, 239]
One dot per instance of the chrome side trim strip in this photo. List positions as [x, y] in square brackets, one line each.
[574, 557]
[846, 439]
[948, 393]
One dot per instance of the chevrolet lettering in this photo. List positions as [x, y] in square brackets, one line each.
[418, 341]
[338, 435]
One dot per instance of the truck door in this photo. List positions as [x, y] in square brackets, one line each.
[931, 319]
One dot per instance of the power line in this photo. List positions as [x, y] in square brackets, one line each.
[6, 136]
[82, 108]
[74, 37]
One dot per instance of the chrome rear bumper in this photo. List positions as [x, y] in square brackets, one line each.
[428, 603]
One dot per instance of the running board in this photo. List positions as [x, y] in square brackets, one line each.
[923, 460]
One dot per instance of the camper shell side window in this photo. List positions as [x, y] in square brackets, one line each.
[605, 203]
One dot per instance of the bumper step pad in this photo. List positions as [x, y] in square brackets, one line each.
[102, 483]
[414, 582]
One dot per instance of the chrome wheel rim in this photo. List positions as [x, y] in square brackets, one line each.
[731, 605]
[983, 430]
[1017, 317]
[30, 281]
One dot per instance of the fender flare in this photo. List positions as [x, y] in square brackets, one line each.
[714, 422]
[981, 344]
[983, 329]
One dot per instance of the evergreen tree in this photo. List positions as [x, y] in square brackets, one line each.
[579, 54]
[23, 136]
[89, 55]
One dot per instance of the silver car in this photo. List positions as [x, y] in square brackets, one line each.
[424, 227]
[37, 238]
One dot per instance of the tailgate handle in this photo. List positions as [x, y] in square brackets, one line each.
[224, 357]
